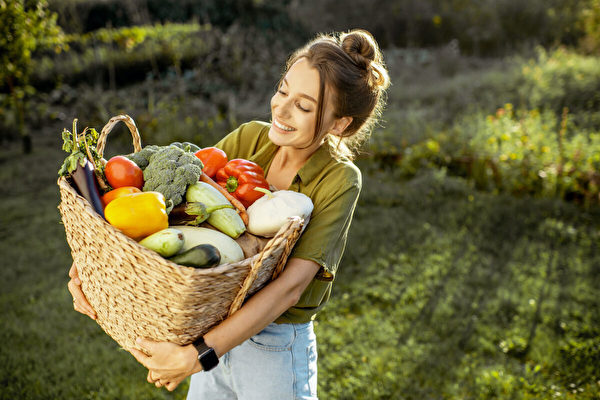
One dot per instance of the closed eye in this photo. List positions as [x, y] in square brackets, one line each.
[301, 108]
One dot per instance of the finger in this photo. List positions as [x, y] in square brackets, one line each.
[90, 313]
[80, 302]
[171, 386]
[157, 384]
[141, 357]
[73, 270]
[149, 377]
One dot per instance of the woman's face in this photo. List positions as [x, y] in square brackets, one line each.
[294, 108]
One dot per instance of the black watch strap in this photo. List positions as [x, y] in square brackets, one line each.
[206, 355]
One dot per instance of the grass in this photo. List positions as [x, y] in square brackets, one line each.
[453, 293]
[445, 292]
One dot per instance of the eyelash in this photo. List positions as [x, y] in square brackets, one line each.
[297, 104]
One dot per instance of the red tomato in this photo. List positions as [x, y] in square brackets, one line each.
[118, 192]
[121, 171]
[213, 159]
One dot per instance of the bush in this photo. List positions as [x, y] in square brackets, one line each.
[520, 152]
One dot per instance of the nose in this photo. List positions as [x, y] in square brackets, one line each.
[281, 104]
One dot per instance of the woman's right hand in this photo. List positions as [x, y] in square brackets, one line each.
[80, 302]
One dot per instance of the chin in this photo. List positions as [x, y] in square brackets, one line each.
[277, 137]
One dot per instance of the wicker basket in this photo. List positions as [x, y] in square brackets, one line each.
[137, 293]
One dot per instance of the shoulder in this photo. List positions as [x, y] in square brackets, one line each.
[339, 181]
[344, 172]
[260, 128]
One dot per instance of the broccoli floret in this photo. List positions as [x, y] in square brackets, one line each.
[170, 171]
[142, 157]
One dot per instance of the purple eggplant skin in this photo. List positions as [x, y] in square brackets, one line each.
[87, 185]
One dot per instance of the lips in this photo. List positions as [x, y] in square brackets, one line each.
[281, 126]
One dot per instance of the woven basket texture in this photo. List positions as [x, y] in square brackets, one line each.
[137, 293]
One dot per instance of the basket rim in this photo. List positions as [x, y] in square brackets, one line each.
[218, 270]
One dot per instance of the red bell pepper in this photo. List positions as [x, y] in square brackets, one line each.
[240, 177]
[213, 159]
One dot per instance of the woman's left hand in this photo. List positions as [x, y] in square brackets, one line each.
[168, 364]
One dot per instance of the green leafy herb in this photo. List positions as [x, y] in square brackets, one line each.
[81, 147]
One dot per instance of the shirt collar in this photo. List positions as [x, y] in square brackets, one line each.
[315, 164]
[309, 171]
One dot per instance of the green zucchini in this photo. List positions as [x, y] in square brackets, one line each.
[166, 242]
[200, 256]
[226, 220]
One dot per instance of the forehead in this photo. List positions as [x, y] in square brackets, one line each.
[302, 76]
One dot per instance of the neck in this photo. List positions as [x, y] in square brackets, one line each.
[294, 158]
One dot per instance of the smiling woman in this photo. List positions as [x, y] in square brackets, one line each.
[323, 109]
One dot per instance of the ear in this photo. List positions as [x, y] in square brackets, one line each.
[340, 125]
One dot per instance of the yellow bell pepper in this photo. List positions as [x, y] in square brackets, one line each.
[138, 215]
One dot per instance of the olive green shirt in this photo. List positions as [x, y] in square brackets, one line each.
[333, 187]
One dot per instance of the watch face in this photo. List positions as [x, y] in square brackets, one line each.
[208, 359]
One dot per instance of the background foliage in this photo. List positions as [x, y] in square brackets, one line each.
[471, 270]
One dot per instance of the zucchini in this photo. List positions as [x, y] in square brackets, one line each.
[166, 242]
[200, 256]
[192, 213]
[226, 220]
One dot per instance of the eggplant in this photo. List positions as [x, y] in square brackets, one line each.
[193, 213]
[86, 184]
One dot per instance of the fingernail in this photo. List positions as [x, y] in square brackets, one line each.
[138, 340]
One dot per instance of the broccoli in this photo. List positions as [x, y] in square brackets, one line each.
[142, 157]
[168, 170]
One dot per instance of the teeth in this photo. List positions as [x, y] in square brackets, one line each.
[281, 126]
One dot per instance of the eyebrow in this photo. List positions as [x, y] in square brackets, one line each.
[302, 94]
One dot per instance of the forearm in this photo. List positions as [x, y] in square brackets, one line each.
[263, 308]
[259, 311]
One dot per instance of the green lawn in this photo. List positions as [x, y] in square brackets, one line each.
[445, 293]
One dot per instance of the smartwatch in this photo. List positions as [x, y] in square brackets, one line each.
[206, 355]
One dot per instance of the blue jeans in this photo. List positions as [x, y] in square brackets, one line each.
[279, 363]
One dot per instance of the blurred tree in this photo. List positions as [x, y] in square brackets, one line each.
[590, 24]
[25, 26]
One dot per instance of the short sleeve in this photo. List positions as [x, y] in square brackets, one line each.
[324, 239]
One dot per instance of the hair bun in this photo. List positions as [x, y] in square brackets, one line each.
[361, 46]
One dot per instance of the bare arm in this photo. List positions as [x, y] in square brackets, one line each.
[169, 364]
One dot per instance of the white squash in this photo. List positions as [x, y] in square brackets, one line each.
[231, 252]
[269, 213]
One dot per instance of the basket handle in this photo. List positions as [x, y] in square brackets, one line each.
[135, 134]
[295, 226]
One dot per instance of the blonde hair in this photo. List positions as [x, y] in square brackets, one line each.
[351, 65]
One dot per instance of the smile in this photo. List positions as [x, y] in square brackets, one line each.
[282, 127]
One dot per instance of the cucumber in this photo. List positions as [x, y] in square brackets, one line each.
[200, 256]
[166, 242]
[226, 220]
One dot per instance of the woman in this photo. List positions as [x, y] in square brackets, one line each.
[324, 108]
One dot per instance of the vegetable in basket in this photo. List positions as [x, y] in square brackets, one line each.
[240, 177]
[213, 159]
[118, 192]
[200, 256]
[121, 171]
[269, 213]
[166, 242]
[193, 213]
[226, 220]
[229, 249]
[168, 170]
[138, 215]
[83, 164]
